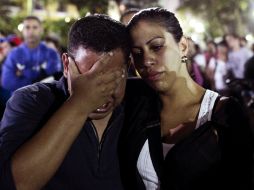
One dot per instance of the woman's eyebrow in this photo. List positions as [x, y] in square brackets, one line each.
[149, 41]
[156, 37]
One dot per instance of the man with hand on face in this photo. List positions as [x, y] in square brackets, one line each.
[63, 135]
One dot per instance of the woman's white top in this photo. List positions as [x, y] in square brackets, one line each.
[144, 163]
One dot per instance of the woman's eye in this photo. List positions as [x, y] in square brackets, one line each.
[156, 47]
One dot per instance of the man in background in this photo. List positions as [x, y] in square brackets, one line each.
[32, 60]
[237, 56]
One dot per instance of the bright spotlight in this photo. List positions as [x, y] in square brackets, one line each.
[67, 19]
[249, 37]
[20, 27]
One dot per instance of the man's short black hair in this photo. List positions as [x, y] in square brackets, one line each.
[31, 17]
[99, 33]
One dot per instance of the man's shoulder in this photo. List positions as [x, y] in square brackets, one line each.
[36, 92]
[35, 88]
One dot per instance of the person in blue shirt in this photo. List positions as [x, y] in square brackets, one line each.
[32, 60]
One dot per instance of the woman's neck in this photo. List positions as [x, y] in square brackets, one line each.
[183, 93]
[180, 110]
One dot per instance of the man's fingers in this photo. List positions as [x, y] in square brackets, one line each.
[73, 67]
[109, 82]
[102, 63]
[112, 76]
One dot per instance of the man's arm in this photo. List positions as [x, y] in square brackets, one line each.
[37, 160]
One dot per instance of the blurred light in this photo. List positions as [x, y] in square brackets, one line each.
[192, 22]
[243, 5]
[199, 26]
[122, 8]
[67, 19]
[113, 10]
[88, 13]
[249, 37]
[253, 13]
[20, 27]
[195, 38]
[218, 39]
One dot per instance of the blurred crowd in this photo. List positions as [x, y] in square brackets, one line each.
[214, 66]
[27, 59]
[181, 127]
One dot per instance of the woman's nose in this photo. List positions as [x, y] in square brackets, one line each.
[149, 61]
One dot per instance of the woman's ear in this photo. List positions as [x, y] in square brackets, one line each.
[65, 60]
[184, 46]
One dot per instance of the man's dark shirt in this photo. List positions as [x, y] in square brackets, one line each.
[87, 165]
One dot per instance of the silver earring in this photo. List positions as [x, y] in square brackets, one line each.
[184, 59]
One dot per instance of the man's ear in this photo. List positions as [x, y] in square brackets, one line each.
[65, 60]
[184, 46]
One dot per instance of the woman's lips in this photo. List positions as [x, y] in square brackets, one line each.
[153, 76]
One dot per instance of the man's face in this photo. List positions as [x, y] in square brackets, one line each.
[32, 31]
[5, 48]
[85, 59]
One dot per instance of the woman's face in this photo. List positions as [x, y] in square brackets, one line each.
[156, 55]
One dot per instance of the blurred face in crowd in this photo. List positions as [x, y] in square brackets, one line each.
[85, 59]
[32, 31]
[51, 45]
[233, 42]
[222, 52]
[5, 48]
[211, 47]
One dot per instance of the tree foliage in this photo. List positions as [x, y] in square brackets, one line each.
[9, 22]
[221, 16]
[98, 6]
[140, 3]
[5, 18]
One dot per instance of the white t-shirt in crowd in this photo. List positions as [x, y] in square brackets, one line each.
[219, 73]
[237, 60]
